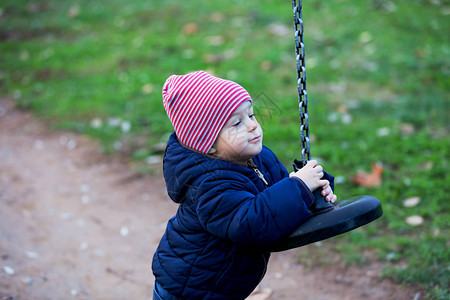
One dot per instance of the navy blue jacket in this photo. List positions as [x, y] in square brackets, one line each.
[215, 245]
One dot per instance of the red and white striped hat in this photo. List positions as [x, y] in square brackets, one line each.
[199, 104]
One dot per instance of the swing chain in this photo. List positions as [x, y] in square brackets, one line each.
[301, 83]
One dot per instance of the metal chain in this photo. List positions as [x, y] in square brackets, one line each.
[301, 81]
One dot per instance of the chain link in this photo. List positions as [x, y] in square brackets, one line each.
[301, 81]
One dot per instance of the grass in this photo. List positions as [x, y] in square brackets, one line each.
[378, 85]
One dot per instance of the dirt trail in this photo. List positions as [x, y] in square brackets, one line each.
[76, 225]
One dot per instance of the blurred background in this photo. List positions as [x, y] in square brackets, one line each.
[378, 89]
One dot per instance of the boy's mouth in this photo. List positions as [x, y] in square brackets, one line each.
[255, 139]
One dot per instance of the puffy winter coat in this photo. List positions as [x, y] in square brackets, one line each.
[215, 245]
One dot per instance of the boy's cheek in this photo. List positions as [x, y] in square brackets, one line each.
[236, 135]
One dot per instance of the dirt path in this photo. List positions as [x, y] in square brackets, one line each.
[76, 225]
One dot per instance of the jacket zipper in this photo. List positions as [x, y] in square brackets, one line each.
[261, 176]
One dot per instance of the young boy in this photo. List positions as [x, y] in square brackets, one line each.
[236, 198]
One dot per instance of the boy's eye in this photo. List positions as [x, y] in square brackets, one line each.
[236, 123]
[251, 116]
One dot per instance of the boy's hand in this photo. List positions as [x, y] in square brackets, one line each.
[327, 192]
[311, 175]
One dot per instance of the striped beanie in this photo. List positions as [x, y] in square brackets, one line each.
[198, 105]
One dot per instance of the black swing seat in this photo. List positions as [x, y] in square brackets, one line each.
[331, 220]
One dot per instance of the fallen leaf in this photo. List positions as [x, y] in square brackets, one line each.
[337, 87]
[339, 179]
[369, 179]
[37, 7]
[148, 88]
[278, 29]
[426, 165]
[84, 246]
[190, 28]
[96, 123]
[407, 129]
[414, 220]
[333, 117]
[124, 231]
[216, 17]
[383, 131]
[31, 254]
[117, 145]
[24, 55]
[365, 37]
[8, 270]
[85, 188]
[411, 202]
[85, 199]
[347, 118]
[125, 126]
[342, 108]
[39, 144]
[27, 280]
[73, 11]
[215, 40]
[114, 122]
[71, 144]
[153, 160]
[212, 58]
[265, 65]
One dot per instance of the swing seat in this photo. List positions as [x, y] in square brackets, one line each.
[336, 219]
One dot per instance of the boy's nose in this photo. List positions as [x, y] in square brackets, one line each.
[252, 125]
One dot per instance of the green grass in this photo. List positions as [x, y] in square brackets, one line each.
[378, 85]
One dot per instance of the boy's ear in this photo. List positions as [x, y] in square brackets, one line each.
[212, 151]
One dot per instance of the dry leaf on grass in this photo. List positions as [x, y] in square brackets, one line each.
[74, 11]
[414, 220]
[411, 202]
[216, 17]
[407, 129]
[190, 28]
[265, 65]
[147, 88]
[213, 58]
[215, 40]
[369, 179]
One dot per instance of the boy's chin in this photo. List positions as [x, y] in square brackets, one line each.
[256, 152]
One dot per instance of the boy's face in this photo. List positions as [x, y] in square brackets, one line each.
[241, 137]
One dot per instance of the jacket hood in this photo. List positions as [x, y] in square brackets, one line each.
[183, 167]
